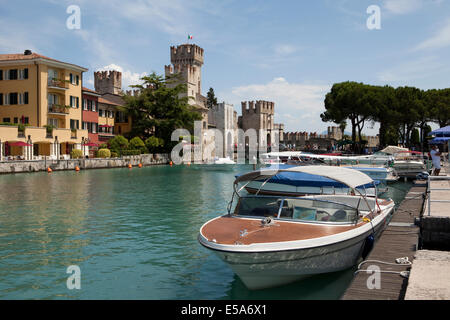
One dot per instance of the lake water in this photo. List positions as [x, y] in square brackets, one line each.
[133, 234]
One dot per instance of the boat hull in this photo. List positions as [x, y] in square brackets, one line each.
[260, 270]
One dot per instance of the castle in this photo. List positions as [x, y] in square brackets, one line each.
[259, 115]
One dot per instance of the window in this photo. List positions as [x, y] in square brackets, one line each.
[74, 124]
[52, 99]
[7, 120]
[1, 74]
[52, 122]
[26, 120]
[13, 98]
[94, 106]
[16, 120]
[100, 112]
[52, 74]
[85, 125]
[89, 105]
[12, 74]
[74, 79]
[1, 99]
[25, 98]
[74, 102]
[23, 74]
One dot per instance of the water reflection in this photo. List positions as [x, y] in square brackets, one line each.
[132, 232]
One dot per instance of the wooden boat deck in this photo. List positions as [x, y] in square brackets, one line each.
[228, 230]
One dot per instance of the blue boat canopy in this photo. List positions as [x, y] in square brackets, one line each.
[299, 179]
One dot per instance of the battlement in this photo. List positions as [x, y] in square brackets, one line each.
[186, 54]
[108, 81]
[258, 107]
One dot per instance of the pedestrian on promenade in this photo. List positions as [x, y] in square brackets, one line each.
[436, 159]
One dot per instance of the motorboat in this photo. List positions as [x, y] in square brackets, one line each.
[226, 160]
[330, 159]
[300, 183]
[274, 240]
[409, 164]
[383, 174]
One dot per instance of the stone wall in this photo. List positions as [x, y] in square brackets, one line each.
[96, 163]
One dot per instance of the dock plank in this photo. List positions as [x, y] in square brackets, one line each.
[395, 242]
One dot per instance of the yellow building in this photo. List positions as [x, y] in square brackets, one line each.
[40, 106]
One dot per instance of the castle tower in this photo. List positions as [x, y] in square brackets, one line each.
[187, 61]
[108, 82]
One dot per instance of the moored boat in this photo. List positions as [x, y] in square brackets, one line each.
[273, 240]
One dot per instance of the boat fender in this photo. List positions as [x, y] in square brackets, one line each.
[368, 245]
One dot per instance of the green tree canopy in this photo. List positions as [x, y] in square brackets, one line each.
[160, 107]
[211, 99]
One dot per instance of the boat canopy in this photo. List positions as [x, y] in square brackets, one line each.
[349, 177]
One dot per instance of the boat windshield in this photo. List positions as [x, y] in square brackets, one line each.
[300, 209]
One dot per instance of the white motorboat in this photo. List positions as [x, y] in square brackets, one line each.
[409, 164]
[226, 160]
[273, 240]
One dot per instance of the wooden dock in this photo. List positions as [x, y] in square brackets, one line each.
[399, 239]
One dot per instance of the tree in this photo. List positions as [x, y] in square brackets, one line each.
[137, 144]
[118, 144]
[438, 102]
[352, 101]
[160, 107]
[211, 99]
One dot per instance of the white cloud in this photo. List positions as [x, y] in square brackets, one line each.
[285, 49]
[415, 69]
[128, 77]
[297, 105]
[402, 6]
[440, 39]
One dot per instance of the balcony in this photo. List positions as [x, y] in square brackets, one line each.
[58, 84]
[58, 109]
[73, 133]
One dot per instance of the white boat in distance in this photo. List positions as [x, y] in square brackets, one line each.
[273, 240]
[409, 164]
[285, 156]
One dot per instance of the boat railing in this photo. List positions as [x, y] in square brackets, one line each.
[429, 189]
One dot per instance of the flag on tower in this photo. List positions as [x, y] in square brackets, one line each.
[190, 37]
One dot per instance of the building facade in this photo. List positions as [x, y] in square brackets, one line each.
[90, 119]
[223, 118]
[40, 106]
[186, 63]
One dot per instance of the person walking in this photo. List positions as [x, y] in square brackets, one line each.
[436, 159]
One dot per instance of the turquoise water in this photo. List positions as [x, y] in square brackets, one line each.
[133, 233]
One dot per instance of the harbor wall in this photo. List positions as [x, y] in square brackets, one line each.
[21, 166]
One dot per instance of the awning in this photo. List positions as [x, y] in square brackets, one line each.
[19, 144]
[440, 132]
[349, 177]
[393, 149]
[105, 126]
[439, 140]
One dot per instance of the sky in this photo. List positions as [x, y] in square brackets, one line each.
[290, 52]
